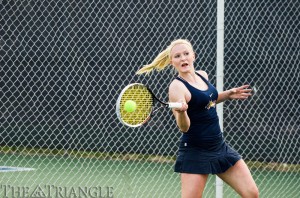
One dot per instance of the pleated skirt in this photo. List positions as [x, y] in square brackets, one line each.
[197, 160]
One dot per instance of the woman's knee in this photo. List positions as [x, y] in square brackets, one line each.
[250, 192]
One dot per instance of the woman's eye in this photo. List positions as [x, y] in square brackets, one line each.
[186, 53]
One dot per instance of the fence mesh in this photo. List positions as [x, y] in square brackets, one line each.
[262, 48]
[63, 64]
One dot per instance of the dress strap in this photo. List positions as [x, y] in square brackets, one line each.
[188, 84]
[180, 79]
[204, 79]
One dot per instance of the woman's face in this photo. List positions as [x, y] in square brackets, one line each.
[182, 58]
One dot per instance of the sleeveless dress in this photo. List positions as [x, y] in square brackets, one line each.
[202, 148]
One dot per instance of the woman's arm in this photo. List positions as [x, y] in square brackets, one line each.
[239, 93]
[177, 94]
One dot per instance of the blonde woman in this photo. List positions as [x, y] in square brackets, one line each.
[202, 149]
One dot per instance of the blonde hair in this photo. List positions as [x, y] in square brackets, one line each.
[163, 59]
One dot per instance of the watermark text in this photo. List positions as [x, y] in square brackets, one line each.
[52, 191]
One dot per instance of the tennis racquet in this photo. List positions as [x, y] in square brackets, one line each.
[145, 101]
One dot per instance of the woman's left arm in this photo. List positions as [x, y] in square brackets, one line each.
[238, 93]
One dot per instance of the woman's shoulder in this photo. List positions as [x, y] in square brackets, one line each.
[175, 84]
[177, 89]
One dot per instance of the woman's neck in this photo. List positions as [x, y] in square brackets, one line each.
[190, 77]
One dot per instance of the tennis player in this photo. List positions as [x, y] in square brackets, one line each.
[202, 149]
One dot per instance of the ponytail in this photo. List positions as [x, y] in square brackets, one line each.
[159, 63]
[163, 58]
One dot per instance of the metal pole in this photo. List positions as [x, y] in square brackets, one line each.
[220, 76]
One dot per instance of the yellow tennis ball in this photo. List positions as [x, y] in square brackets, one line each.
[130, 106]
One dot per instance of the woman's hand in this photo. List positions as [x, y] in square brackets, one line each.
[183, 108]
[241, 92]
[182, 119]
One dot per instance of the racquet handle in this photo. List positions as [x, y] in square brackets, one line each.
[175, 105]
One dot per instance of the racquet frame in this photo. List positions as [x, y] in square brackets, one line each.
[151, 112]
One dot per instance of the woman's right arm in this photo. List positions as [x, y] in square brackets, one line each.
[177, 93]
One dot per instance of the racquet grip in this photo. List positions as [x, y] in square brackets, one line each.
[175, 105]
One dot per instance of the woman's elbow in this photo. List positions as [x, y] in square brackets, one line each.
[184, 129]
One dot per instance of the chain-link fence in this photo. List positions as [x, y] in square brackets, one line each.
[63, 64]
[262, 48]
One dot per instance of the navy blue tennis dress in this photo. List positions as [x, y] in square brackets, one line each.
[202, 148]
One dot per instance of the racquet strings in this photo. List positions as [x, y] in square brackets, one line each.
[144, 101]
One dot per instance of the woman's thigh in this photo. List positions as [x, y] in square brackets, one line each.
[240, 179]
[192, 185]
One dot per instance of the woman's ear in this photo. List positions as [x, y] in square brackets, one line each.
[195, 56]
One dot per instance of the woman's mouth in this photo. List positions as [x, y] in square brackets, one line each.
[184, 65]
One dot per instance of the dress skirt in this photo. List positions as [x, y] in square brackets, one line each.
[205, 160]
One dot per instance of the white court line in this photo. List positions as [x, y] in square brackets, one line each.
[14, 169]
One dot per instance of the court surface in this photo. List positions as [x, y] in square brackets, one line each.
[122, 178]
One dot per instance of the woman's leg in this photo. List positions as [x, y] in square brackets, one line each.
[240, 179]
[192, 185]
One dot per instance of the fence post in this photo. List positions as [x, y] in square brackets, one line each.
[220, 76]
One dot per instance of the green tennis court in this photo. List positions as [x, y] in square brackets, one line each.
[123, 178]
